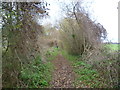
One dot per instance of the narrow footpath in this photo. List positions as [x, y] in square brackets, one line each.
[63, 75]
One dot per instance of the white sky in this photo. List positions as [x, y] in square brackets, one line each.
[103, 11]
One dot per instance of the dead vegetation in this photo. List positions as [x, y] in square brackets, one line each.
[20, 34]
[24, 40]
[81, 36]
[79, 33]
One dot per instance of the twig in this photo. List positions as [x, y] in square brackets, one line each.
[18, 58]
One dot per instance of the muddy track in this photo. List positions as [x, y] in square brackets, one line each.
[63, 75]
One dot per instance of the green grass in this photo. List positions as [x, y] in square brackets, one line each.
[113, 47]
[86, 75]
[37, 74]
[52, 53]
[69, 57]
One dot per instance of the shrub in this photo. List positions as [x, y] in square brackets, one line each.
[36, 74]
[79, 33]
[106, 63]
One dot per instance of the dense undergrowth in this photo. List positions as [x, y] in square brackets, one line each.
[98, 74]
[87, 77]
[37, 74]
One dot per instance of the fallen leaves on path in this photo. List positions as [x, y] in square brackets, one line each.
[63, 75]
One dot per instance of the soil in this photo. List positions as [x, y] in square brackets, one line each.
[63, 75]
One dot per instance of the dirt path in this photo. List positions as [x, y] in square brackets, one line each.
[63, 75]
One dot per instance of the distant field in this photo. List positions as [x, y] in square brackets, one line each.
[113, 46]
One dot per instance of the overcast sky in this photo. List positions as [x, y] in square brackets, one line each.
[103, 11]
